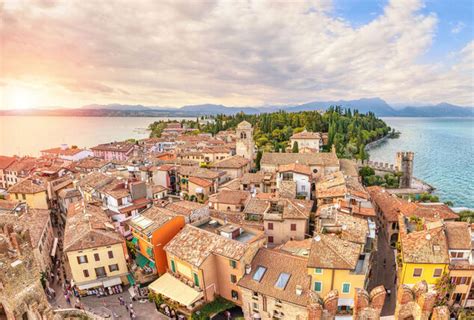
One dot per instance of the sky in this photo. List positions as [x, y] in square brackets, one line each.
[237, 53]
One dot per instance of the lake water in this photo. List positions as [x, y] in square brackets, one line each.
[28, 135]
[443, 147]
[444, 153]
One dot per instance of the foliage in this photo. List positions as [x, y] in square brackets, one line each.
[218, 305]
[445, 288]
[466, 215]
[348, 130]
[295, 148]
[424, 197]
[258, 158]
[157, 128]
[132, 249]
[43, 279]
[366, 171]
[369, 178]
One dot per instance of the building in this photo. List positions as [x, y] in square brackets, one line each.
[67, 153]
[258, 182]
[423, 252]
[91, 183]
[321, 163]
[191, 211]
[206, 261]
[5, 162]
[96, 255]
[305, 139]
[33, 191]
[113, 151]
[461, 265]
[19, 169]
[286, 219]
[294, 180]
[151, 231]
[229, 200]
[245, 146]
[275, 286]
[68, 196]
[199, 188]
[335, 263]
[185, 172]
[91, 164]
[404, 163]
[234, 167]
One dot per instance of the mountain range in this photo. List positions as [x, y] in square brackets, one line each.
[375, 105]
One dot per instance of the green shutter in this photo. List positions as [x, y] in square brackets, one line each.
[233, 264]
[173, 267]
[317, 286]
[346, 287]
[196, 279]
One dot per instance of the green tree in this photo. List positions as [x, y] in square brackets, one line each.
[295, 148]
[258, 159]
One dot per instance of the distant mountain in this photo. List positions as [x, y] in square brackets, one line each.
[440, 110]
[376, 105]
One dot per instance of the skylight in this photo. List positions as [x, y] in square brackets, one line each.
[258, 275]
[282, 280]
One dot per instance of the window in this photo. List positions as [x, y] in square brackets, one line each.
[113, 267]
[100, 272]
[437, 273]
[282, 280]
[293, 227]
[318, 286]
[417, 272]
[258, 275]
[86, 273]
[318, 271]
[111, 254]
[173, 267]
[16, 196]
[234, 294]
[233, 278]
[82, 259]
[233, 264]
[270, 226]
[255, 306]
[270, 239]
[196, 279]
[303, 188]
[96, 257]
[346, 287]
[23, 196]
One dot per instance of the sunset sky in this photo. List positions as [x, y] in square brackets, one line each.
[246, 53]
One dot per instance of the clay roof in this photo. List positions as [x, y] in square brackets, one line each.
[158, 188]
[200, 182]
[306, 135]
[88, 227]
[194, 245]
[253, 178]
[114, 146]
[30, 185]
[425, 246]
[276, 263]
[230, 197]
[309, 159]
[95, 180]
[90, 163]
[199, 172]
[6, 161]
[63, 152]
[295, 167]
[150, 220]
[349, 167]
[23, 164]
[283, 208]
[235, 162]
[8, 205]
[230, 185]
[256, 206]
[69, 193]
[36, 222]
[185, 208]
[458, 234]
[349, 227]
[331, 252]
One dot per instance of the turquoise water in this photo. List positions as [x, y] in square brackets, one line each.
[444, 153]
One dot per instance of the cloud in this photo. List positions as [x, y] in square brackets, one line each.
[229, 52]
[458, 27]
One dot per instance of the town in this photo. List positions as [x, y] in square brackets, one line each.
[198, 225]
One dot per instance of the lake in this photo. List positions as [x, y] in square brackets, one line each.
[28, 135]
[443, 146]
[443, 150]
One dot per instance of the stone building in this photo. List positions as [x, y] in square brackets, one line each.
[405, 165]
[245, 146]
[21, 293]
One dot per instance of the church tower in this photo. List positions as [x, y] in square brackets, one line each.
[245, 146]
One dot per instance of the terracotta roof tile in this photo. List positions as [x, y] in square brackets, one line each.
[337, 253]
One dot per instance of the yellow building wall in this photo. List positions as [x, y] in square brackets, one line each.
[334, 279]
[105, 261]
[34, 200]
[185, 269]
[426, 274]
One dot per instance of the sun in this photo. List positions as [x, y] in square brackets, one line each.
[19, 98]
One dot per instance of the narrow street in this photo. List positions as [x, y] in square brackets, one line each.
[384, 273]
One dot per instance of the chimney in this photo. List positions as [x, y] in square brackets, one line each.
[248, 269]
[299, 290]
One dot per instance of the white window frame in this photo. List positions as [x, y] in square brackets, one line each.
[316, 271]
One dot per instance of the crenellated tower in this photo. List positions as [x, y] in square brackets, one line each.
[404, 163]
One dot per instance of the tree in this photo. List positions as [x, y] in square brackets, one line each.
[295, 147]
[366, 171]
[258, 158]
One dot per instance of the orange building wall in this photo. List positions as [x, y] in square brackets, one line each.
[161, 237]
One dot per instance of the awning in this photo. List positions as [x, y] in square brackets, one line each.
[89, 285]
[112, 282]
[134, 241]
[345, 302]
[131, 279]
[55, 246]
[141, 260]
[175, 290]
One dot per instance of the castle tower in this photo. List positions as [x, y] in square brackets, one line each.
[404, 163]
[245, 146]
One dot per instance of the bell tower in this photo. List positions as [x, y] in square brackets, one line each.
[245, 145]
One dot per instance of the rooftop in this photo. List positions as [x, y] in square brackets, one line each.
[234, 162]
[309, 159]
[29, 186]
[306, 135]
[234, 197]
[114, 146]
[338, 253]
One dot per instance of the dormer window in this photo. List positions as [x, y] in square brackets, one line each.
[258, 275]
[282, 280]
